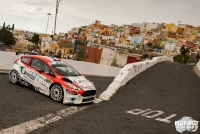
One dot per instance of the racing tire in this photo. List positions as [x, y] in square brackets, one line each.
[14, 77]
[56, 93]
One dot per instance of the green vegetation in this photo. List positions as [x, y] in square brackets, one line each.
[6, 37]
[114, 63]
[80, 53]
[145, 56]
[82, 43]
[35, 38]
[184, 56]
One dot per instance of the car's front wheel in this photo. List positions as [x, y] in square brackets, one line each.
[56, 93]
[14, 78]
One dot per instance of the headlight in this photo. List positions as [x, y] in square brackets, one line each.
[72, 86]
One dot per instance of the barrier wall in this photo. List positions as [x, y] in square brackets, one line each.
[93, 69]
[129, 72]
[7, 60]
[198, 65]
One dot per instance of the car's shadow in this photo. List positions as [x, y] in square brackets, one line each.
[31, 88]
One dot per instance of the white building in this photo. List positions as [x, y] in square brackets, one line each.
[45, 42]
[108, 55]
[170, 45]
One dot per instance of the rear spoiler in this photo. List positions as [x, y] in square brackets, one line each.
[28, 53]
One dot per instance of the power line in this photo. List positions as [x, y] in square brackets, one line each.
[73, 16]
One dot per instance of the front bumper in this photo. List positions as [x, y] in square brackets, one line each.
[77, 99]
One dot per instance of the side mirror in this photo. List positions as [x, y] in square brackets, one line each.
[39, 70]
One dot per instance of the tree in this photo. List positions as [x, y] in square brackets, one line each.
[4, 25]
[114, 63]
[35, 38]
[184, 50]
[13, 27]
[6, 37]
[184, 56]
[80, 53]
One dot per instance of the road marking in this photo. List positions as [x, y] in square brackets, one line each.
[148, 113]
[29, 126]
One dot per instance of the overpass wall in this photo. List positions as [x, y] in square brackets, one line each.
[129, 72]
[7, 59]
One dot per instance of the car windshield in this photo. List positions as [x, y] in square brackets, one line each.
[65, 70]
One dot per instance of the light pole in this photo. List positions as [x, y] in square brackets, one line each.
[47, 22]
[57, 5]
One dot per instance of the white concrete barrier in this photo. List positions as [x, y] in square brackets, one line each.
[93, 69]
[7, 60]
[128, 72]
[198, 65]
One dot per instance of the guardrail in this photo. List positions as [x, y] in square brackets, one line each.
[7, 60]
[129, 72]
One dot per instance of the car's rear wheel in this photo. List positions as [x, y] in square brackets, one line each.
[56, 93]
[14, 78]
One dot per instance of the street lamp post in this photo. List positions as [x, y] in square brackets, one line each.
[47, 22]
[179, 22]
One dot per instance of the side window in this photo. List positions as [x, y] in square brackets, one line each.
[38, 64]
[26, 60]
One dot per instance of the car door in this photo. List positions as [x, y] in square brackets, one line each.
[27, 74]
[44, 76]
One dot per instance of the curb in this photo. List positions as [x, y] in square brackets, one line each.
[197, 71]
[4, 71]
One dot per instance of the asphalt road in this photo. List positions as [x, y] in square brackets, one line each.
[19, 104]
[169, 89]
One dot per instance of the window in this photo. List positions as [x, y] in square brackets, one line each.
[38, 64]
[26, 60]
[65, 70]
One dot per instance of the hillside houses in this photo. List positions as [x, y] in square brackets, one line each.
[136, 38]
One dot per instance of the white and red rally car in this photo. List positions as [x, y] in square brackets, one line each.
[53, 78]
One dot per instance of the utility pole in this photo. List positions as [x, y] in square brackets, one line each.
[57, 6]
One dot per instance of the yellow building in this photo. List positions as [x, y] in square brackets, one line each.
[195, 30]
[172, 27]
[20, 46]
[192, 37]
[44, 35]
[103, 30]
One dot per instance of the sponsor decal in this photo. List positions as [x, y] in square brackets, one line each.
[47, 80]
[186, 124]
[30, 75]
[24, 82]
[24, 60]
[38, 89]
[73, 99]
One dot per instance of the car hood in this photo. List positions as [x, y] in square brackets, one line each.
[82, 82]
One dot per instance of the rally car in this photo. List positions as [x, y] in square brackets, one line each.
[54, 78]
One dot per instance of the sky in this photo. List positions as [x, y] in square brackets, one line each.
[32, 15]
